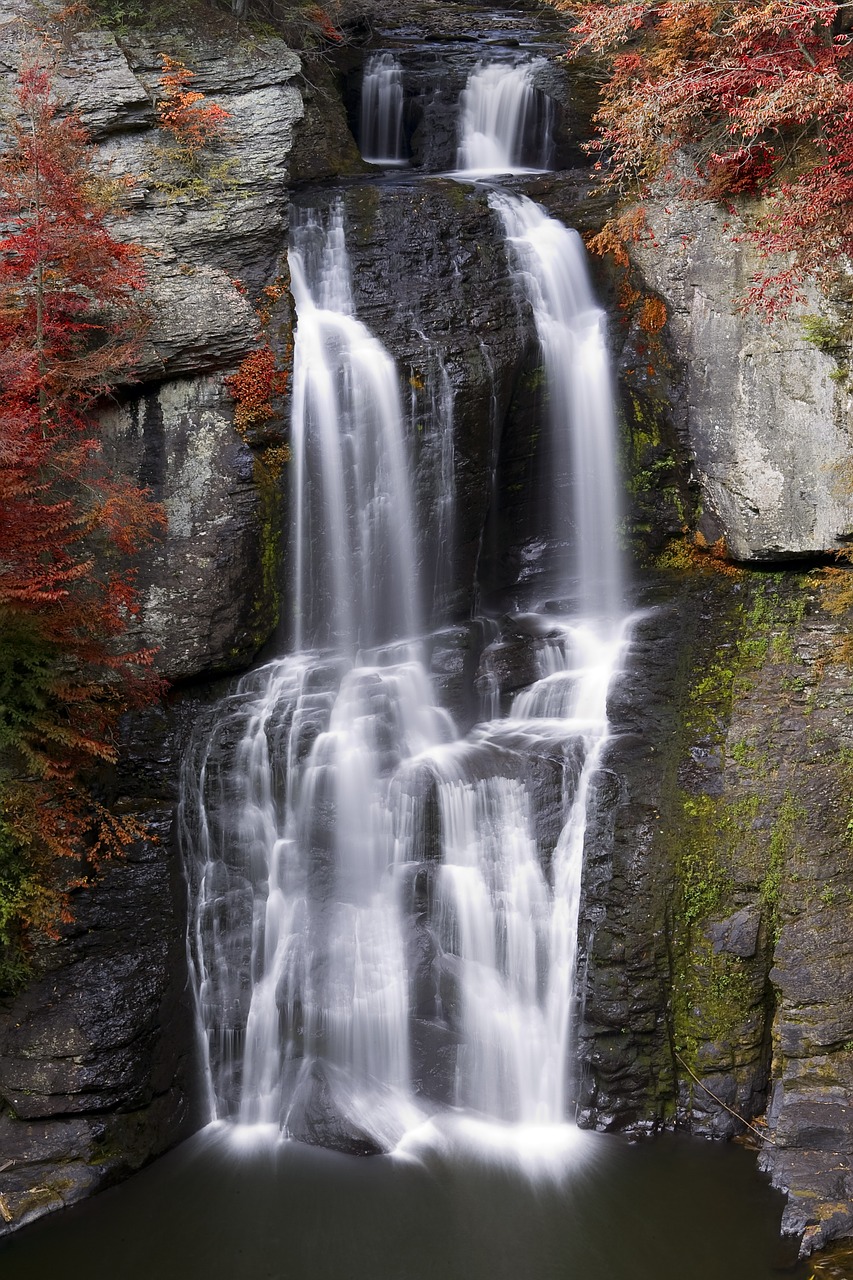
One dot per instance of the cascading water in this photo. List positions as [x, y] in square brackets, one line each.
[552, 273]
[381, 124]
[355, 580]
[298, 854]
[505, 125]
[379, 925]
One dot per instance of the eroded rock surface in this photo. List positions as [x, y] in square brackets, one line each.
[719, 888]
[769, 428]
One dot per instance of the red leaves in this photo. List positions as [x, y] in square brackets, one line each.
[70, 325]
[184, 113]
[758, 93]
[253, 386]
[324, 23]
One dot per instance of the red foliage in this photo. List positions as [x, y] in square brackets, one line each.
[257, 382]
[193, 123]
[758, 93]
[70, 326]
[253, 386]
[323, 21]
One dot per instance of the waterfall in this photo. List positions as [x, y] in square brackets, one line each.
[299, 939]
[505, 124]
[551, 271]
[381, 124]
[380, 923]
[513, 928]
[355, 580]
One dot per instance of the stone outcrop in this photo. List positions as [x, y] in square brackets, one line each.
[767, 423]
[718, 887]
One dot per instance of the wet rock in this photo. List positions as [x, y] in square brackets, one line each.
[415, 798]
[434, 1055]
[738, 934]
[315, 1117]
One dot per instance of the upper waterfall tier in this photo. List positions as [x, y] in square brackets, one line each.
[459, 114]
[505, 126]
[381, 120]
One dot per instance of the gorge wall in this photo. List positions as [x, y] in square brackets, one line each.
[717, 926]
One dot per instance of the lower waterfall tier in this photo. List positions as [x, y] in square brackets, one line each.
[385, 914]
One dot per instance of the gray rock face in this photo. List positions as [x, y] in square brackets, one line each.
[207, 603]
[717, 917]
[768, 428]
[215, 238]
[737, 935]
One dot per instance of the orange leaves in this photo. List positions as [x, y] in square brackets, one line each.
[253, 387]
[615, 236]
[258, 382]
[740, 90]
[652, 315]
[324, 23]
[648, 311]
[609, 240]
[193, 123]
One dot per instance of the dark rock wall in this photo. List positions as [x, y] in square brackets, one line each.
[719, 884]
[96, 1056]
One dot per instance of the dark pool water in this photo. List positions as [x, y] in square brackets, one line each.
[664, 1210]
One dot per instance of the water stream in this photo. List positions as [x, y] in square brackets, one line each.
[332, 780]
[381, 116]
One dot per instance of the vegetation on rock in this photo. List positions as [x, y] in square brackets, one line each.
[193, 123]
[727, 100]
[70, 328]
[258, 382]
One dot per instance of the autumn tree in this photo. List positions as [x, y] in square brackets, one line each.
[754, 97]
[70, 327]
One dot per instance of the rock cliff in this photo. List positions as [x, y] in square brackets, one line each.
[767, 413]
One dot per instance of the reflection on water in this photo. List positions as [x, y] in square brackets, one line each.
[446, 1209]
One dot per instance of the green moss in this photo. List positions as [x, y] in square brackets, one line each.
[267, 606]
[659, 497]
[782, 850]
[824, 334]
[704, 881]
[535, 379]
[723, 843]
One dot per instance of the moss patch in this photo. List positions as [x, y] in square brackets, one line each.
[730, 833]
